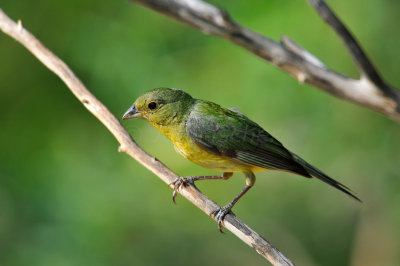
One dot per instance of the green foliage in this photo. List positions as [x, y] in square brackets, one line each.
[67, 197]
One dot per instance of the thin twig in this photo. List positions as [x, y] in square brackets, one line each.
[370, 91]
[129, 146]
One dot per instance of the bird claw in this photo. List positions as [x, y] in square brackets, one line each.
[178, 183]
[220, 215]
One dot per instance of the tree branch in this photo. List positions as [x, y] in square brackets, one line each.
[362, 61]
[370, 91]
[129, 146]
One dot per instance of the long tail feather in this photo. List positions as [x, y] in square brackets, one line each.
[323, 177]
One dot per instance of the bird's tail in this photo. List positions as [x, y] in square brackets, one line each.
[323, 177]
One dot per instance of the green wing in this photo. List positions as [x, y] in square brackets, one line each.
[231, 134]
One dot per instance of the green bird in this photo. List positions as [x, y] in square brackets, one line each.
[220, 139]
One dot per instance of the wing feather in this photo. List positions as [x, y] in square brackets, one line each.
[231, 134]
[226, 133]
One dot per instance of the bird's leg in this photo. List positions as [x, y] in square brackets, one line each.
[183, 181]
[221, 213]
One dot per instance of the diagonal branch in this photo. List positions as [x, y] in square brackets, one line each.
[370, 91]
[362, 61]
[129, 146]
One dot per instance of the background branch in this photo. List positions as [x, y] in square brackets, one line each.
[370, 91]
[362, 61]
[129, 146]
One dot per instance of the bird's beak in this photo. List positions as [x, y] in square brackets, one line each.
[132, 113]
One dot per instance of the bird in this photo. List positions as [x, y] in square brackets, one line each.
[220, 139]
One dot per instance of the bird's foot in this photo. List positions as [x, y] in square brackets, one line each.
[178, 183]
[220, 215]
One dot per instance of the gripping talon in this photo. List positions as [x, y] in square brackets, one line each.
[220, 215]
[177, 184]
[220, 218]
[174, 196]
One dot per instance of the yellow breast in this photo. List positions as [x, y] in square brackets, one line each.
[185, 146]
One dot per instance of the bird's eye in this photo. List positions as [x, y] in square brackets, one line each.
[152, 105]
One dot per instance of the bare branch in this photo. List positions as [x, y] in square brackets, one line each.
[363, 63]
[369, 91]
[129, 146]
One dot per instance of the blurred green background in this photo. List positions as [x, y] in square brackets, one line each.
[67, 197]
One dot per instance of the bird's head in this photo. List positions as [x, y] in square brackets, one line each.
[160, 106]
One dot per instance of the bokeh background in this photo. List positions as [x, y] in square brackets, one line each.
[67, 197]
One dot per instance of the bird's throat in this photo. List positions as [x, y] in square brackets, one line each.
[174, 132]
